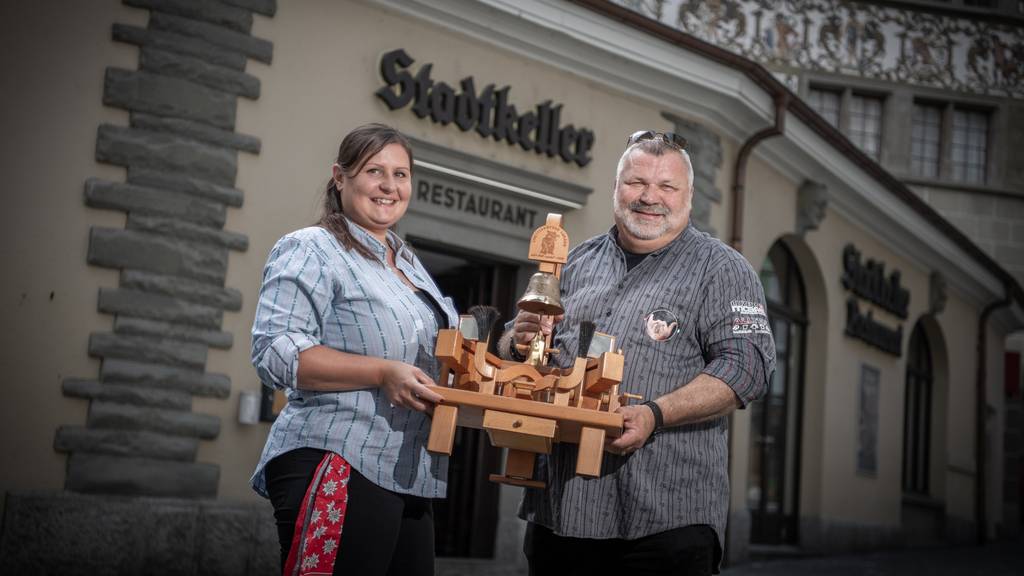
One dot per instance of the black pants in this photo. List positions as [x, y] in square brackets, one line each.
[384, 533]
[687, 551]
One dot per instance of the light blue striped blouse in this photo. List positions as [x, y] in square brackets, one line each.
[316, 292]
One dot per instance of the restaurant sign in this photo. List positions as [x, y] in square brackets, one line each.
[487, 111]
[868, 280]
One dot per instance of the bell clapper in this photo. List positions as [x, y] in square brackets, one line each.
[536, 356]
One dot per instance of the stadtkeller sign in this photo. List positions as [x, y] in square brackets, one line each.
[870, 282]
[488, 111]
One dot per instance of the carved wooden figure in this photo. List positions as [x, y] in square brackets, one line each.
[528, 406]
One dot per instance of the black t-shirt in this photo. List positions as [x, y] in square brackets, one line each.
[632, 260]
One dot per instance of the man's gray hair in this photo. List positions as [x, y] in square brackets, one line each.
[655, 147]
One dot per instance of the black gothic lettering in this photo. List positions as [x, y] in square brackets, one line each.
[401, 80]
[491, 113]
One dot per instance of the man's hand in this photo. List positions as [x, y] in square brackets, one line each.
[526, 325]
[637, 426]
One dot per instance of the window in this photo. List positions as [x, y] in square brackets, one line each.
[859, 116]
[949, 142]
[866, 123]
[826, 103]
[925, 140]
[970, 140]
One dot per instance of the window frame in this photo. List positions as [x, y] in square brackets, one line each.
[986, 168]
[838, 93]
[846, 95]
[946, 160]
[941, 107]
[880, 134]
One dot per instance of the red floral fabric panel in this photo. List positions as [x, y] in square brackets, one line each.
[320, 520]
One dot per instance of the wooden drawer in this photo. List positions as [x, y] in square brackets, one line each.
[519, 432]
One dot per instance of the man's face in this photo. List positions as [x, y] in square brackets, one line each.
[652, 200]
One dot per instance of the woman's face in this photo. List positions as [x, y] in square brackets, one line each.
[378, 195]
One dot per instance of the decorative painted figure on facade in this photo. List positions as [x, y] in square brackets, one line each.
[868, 40]
[925, 56]
[991, 61]
[722, 21]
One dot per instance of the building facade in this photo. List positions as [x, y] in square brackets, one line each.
[929, 90]
[161, 147]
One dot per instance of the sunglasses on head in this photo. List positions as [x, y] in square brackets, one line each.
[670, 138]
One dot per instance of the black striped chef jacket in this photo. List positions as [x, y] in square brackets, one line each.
[693, 306]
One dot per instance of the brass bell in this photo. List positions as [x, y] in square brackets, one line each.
[542, 296]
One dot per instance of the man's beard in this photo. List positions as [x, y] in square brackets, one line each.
[636, 227]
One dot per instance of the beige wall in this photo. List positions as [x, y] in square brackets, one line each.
[830, 486]
[53, 57]
[995, 399]
[960, 324]
[847, 496]
[844, 492]
[773, 199]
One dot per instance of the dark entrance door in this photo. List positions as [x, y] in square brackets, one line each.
[465, 523]
[773, 484]
[917, 414]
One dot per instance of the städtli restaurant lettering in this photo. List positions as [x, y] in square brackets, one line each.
[488, 111]
[869, 281]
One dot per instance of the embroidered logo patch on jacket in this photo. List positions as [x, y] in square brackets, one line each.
[662, 324]
[749, 318]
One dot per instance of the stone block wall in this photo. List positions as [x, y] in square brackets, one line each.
[994, 222]
[705, 150]
[180, 150]
[94, 535]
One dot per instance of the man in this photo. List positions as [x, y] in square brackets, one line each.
[689, 314]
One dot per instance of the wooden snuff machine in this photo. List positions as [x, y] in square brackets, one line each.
[527, 406]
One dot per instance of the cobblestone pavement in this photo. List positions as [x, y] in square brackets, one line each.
[994, 559]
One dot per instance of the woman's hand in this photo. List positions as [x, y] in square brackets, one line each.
[324, 369]
[406, 385]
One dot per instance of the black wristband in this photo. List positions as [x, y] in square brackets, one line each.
[659, 419]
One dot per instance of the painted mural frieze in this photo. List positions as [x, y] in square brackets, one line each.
[853, 38]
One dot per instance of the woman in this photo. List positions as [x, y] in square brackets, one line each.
[345, 325]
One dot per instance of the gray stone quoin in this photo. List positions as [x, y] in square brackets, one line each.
[180, 149]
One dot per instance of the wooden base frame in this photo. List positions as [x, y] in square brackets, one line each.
[527, 407]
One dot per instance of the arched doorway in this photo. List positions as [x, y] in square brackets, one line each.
[923, 503]
[917, 410]
[774, 467]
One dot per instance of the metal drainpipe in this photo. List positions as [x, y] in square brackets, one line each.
[739, 176]
[981, 400]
